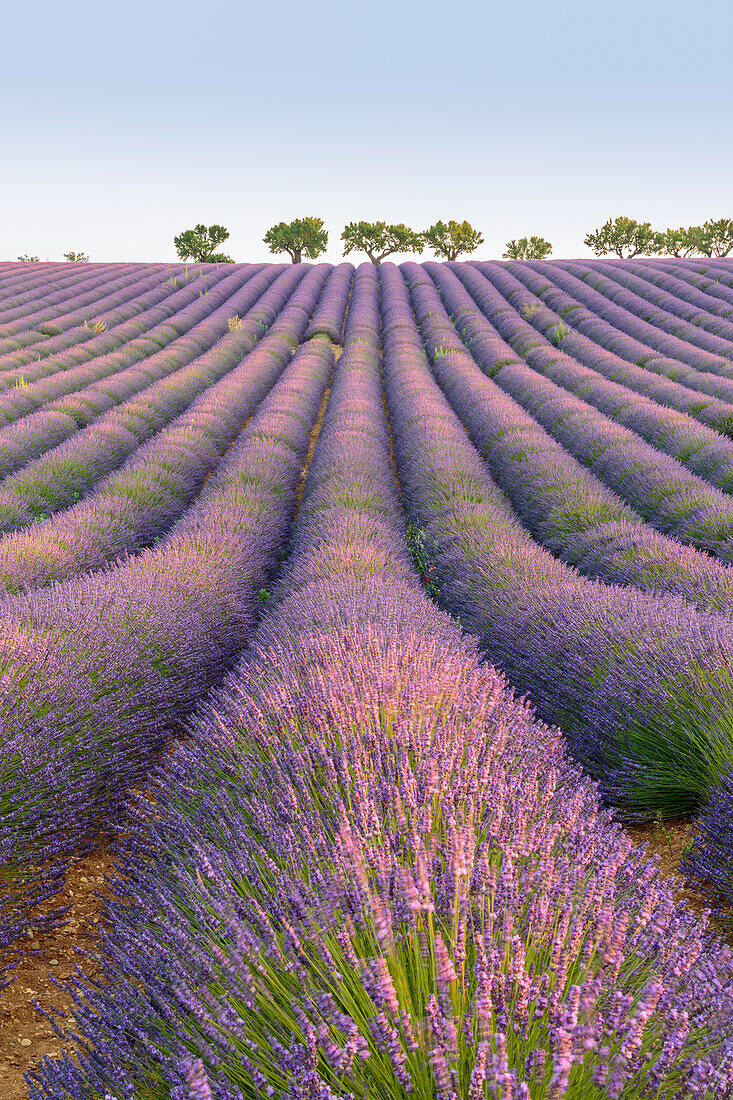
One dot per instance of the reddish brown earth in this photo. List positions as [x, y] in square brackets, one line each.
[25, 1036]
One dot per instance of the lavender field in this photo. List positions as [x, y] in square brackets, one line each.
[360, 608]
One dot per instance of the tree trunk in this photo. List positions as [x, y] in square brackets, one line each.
[296, 255]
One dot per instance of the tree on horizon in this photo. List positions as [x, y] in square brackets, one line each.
[302, 236]
[200, 243]
[449, 240]
[379, 240]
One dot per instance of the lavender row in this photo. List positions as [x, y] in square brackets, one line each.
[655, 485]
[98, 672]
[64, 473]
[671, 287]
[133, 507]
[602, 295]
[640, 684]
[141, 336]
[625, 359]
[566, 509]
[677, 377]
[715, 409]
[372, 872]
[694, 511]
[715, 280]
[74, 398]
[328, 319]
[32, 290]
[79, 326]
[662, 308]
[35, 326]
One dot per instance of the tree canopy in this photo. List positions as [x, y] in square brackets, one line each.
[76, 257]
[449, 241]
[528, 248]
[675, 242]
[380, 240]
[200, 243]
[26, 259]
[624, 236]
[713, 238]
[304, 236]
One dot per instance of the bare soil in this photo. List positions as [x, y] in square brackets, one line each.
[25, 1035]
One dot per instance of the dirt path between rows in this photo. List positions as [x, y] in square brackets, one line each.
[25, 1036]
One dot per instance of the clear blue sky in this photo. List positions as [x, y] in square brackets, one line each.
[122, 125]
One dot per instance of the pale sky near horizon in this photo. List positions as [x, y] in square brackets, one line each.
[125, 125]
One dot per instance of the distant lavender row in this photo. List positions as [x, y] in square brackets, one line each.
[716, 411]
[38, 325]
[123, 305]
[668, 497]
[641, 686]
[568, 510]
[328, 319]
[675, 294]
[664, 332]
[98, 672]
[627, 361]
[133, 507]
[372, 873]
[67, 471]
[654, 484]
[29, 292]
[139, 337]
[42, 415]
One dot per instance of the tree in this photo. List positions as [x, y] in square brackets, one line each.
[76, 257]
[714, 238]
[28, 259]
[676, 242]
[624, 236]
[379, 240]
[534, 248]
[200, 243]
[449, 241]
[302, 236]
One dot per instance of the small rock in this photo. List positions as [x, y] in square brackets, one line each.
[25, 1042]
[53, 962]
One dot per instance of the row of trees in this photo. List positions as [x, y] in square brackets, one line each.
[627, 238]
[307, 238]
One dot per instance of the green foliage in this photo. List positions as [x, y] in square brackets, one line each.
[417, 546]
[558, 333]
[28, 259]
[200, 243]
[76, 257]
[220, 258]
[380, 240]
[714, 238]
[528, 248]
[676, 242]
[449, 241]
[625, 237]
[304, 236]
